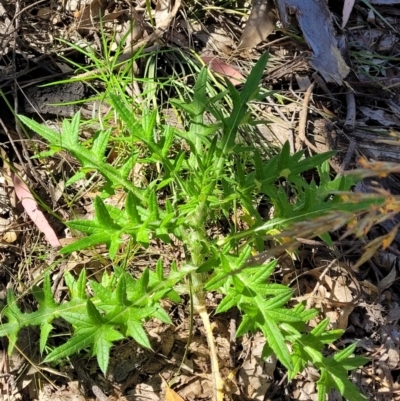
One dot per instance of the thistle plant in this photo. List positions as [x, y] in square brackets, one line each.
[211, 178]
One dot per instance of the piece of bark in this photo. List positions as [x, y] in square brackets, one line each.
[315, 21]
[51, 100]
[48, 100]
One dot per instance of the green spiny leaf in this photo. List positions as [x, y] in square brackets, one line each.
[251, 85]
[78, 342]
[143, 282]
[71, 129]
[123, 112]
[115, 242]
[86, 242]
[102, 216]
[53, 137]
[354, 362]
[136, 331]
[159, 270]
[320, 327]
[93, 313]
[127, 167]
[162, 315]
[323, 384]
[330, 336]
[200, 97]
[228, 302]
[120, 292]
[81, 285]
[345, 352]
[148, 122]
[131, 209]
[247, 325]
[276, 342]
[103, 344]
[284, 315]
[100, 144]
[45, 330]
[264, 272]
[278, 300]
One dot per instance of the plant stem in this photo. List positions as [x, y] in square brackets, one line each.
[202, 311]
[196, 239]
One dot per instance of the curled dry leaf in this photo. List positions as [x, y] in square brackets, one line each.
[224, 69]
[31, 207]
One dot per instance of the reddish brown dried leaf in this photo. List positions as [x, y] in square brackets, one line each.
[31, 207]
[224, 69]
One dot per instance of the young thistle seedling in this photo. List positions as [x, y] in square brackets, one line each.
[204, 184]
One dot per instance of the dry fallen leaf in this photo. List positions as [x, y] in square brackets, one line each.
[379, 115]
[9, 237]
[71, 392]
[163, 8]
[219, 42]
[388, 280]
[224, 69]
[132, 30]
[89, 16]
[260, 24]
[255, 375]
[31, 207]
[171, 395]
[347, 8]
